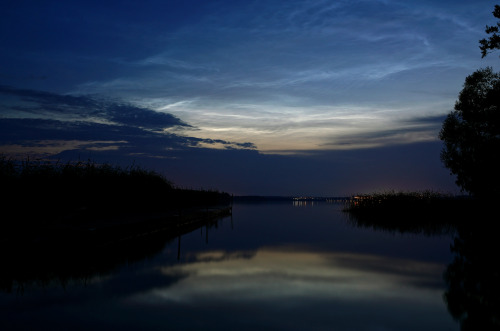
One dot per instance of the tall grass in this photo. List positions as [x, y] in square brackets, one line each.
[394, 200]
[394, 209]
[36, 186]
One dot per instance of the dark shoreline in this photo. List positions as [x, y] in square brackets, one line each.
[107, 230]
[419, 211]
[64, 253]
[72, 219]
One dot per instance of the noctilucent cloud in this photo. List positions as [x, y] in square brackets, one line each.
[252, 97]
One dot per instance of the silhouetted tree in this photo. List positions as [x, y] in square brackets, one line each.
[471, 135]
[493, 42]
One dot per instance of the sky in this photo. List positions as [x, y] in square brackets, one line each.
[251, 97]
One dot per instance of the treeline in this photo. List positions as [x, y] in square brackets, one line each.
[41, 187]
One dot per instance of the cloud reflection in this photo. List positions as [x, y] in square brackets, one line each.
[274, 274]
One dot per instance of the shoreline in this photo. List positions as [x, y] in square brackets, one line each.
[105, 230]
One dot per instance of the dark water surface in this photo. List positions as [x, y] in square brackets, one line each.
[276, 266]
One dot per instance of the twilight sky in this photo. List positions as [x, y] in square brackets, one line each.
[251, 97]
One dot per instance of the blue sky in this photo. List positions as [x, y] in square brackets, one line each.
[244, 96]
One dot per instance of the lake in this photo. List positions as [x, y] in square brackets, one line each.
[276, 266]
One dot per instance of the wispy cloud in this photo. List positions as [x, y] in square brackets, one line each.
[261, 71]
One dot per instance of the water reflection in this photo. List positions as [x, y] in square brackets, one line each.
[429, 226]
[304, 203]
[274, 266]
[296, 288]
[284, 273]
[62, 264]
[473, 279]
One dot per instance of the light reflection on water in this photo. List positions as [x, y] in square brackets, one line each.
[283, 273]
[272, 266]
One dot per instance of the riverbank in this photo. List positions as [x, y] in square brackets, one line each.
[407, 210]
[84, 203]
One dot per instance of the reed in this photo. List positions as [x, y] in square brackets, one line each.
[38, 187]
[395, 200]
[394, 209]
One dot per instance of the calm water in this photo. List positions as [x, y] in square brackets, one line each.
[270, 266]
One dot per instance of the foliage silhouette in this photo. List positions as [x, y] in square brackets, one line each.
[425, 212]
[493, 42]
[471, 135]
[91, 205]
[88, 187]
